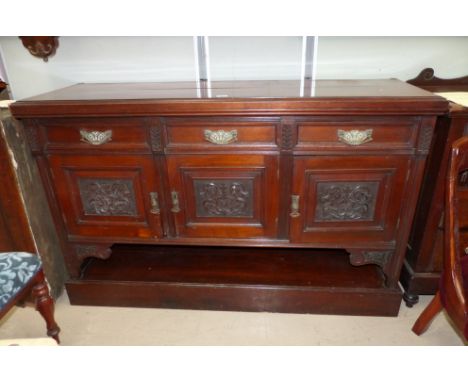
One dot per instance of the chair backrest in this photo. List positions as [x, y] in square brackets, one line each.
[454, 280]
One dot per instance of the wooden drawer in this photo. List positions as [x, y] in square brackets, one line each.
[215, 134]
[363, 133]
[129, 134]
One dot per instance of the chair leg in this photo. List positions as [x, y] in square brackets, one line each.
[45, 306]
[424, 320]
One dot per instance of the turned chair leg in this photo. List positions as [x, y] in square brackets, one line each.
[45, 306]
[428, 314]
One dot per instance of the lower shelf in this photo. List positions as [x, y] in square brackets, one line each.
[237, 279]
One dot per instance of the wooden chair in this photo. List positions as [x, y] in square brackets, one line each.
[21, 275]
[453, 288]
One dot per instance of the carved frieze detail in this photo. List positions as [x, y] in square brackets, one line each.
[425, 138]
[107, 197]
[287, 137]
[156, 138]
[229, 198]
[346, 201]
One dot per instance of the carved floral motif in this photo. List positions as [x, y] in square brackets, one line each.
[339, 201]
[224, 198]
[113, 197]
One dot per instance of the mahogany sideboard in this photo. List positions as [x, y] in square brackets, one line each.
[234, 196]
[423, 263]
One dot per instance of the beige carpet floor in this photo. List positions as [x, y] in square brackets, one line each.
[87, 325]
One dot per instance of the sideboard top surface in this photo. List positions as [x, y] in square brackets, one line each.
[233, 97]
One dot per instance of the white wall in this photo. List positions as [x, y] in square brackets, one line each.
[396, 57]
[123, 59]
[246, 58]
[98, 59]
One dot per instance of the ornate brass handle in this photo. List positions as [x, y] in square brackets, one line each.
[154, 198]
[96, 138]
[355, 137]
[220, 137]
[175, 202]
[294, 206]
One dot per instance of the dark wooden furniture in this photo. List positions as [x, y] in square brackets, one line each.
[423, 262]
[14, 227]
[237, 196]
[22, 277]
[16, 234]
[25, 220]
[41, 46]
[453, 289]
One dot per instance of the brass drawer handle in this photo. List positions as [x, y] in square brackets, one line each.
[154, 198]
[96, 138]
[355, 137]
[220, 137]
[175, 202]
[294, 206]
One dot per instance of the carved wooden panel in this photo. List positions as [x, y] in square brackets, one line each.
[346, 201]
[232, 198]
[113, 197]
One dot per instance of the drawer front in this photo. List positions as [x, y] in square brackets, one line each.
[369, 133]
[108, 134]
[216, 134]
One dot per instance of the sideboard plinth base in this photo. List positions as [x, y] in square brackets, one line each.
[235, 279]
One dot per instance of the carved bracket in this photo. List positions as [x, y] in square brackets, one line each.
[100, 251]
[80, 252]
[40, 46]
[380, 258]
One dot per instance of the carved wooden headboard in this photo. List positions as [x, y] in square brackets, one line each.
[428, 81]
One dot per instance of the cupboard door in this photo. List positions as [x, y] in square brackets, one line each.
[224, 196]
[107, 196]
[352, 201]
